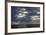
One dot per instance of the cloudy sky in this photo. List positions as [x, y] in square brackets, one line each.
[27, 13]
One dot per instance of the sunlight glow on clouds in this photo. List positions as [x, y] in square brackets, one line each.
[35, 18]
